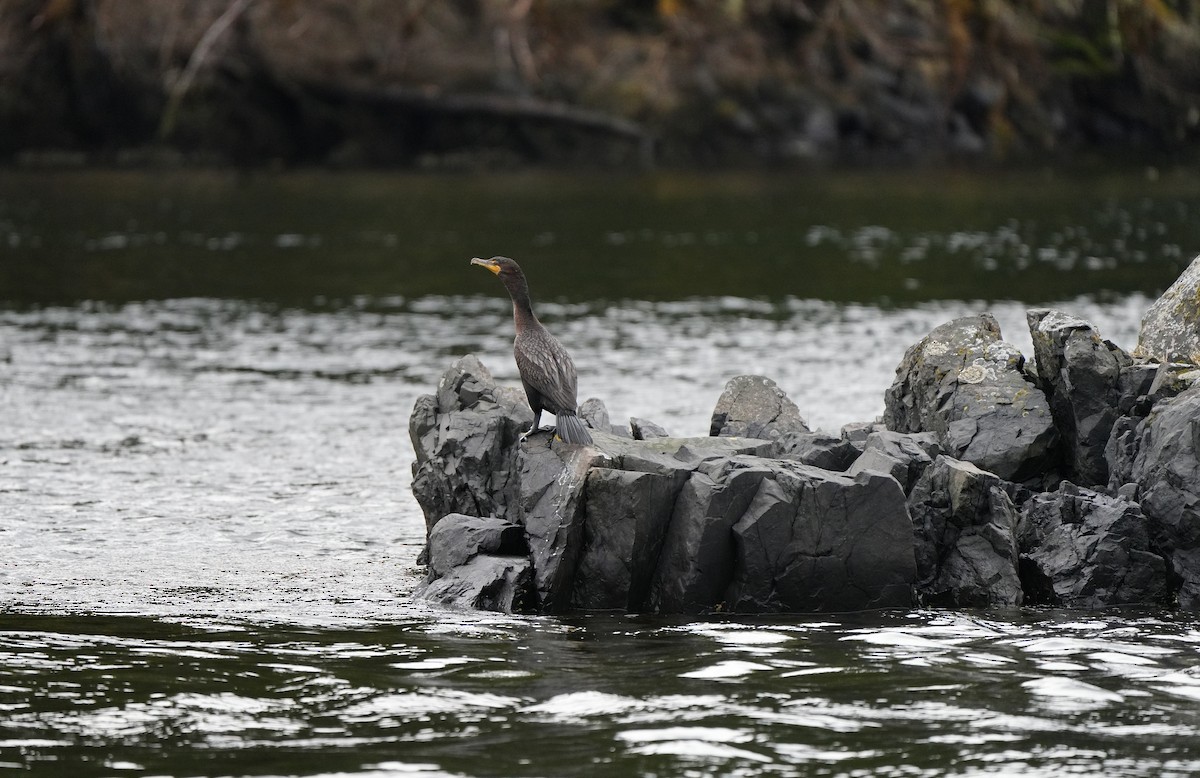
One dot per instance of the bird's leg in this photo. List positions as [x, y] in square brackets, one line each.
[537, 419]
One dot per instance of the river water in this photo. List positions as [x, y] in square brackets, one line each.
[208, 541]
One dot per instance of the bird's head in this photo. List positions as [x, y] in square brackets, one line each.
[501, 266]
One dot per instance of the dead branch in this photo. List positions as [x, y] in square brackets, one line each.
[199, 55]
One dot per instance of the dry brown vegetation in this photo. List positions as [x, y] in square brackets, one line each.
[400, 81]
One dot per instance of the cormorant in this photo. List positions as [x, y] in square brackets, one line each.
[547, 372]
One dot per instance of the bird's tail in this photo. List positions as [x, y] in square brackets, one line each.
[572, 430]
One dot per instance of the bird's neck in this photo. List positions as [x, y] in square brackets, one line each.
[523, 316]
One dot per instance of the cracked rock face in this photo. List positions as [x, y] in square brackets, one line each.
[753, 406]
[1083, 549]
[903, 456]
[1171, 327]
[968, 387]
[1162, 457]
[965, 527]
[1087, 380]
[811, 540]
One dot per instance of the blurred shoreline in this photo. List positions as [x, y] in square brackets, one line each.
[597, 84]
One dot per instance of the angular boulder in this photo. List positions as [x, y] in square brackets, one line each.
[1083, 549]
[490, 583]
[551, 509]
[458, 538]
[1171, 327]
[965, 526]
[753, 406]
[967, 386]
[818, 449]
[1088, 380]
[479, 563]
[903, 456]
[626, 518]
[810, 540]
[643, 429]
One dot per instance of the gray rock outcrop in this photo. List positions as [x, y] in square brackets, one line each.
[920, 506]
[464, 437]
[666, 524]
[967, 386]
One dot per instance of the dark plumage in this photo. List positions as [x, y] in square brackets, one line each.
[547, 372]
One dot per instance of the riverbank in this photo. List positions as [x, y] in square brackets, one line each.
[481, 85]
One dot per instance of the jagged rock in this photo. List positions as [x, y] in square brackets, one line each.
[464, 437]
[856, 433]
[903, 456]
[752, 406]
[1161, 456]
[493, 583]
[478, 563]
[646, 430]
[1086, 379]
[966, 385]
[811, 540]
[1083, 549]
[965, 527]
[817, 449]
[594, 413]
[1171, 327]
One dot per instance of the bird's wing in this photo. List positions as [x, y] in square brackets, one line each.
[547, 367]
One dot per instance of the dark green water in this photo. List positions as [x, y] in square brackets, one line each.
[895, 237]
[207, 535]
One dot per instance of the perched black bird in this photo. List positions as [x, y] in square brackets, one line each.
[547, 371]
